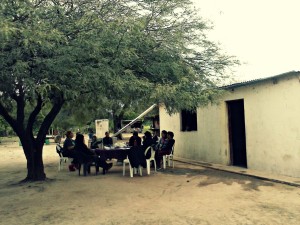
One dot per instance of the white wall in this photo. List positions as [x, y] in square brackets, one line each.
[101, 127]
[272, 126]
[272, 123]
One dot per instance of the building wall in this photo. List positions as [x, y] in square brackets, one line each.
[272, 123]
[101, 127]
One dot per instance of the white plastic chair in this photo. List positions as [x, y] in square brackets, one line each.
[167, 159]
[89, 143]
[62, 159]
[131, 170]
[152, 158]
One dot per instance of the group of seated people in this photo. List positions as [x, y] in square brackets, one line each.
[79, 151]
[106, 141]
[162, 146]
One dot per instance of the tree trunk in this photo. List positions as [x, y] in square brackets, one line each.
[117, 123]
[117, 119]
[35, 165]
[33, 146]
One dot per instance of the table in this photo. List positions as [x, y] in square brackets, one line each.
[119, 153]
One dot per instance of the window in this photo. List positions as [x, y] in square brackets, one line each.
[188, 120]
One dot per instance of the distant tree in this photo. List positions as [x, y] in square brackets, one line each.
[119, 53]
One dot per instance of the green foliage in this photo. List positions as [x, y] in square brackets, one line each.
[106, 57]
[4, 127]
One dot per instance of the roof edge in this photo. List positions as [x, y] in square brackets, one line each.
[250, 82]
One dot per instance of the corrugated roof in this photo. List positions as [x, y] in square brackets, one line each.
[249, 82]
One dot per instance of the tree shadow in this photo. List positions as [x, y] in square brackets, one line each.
[210, 176]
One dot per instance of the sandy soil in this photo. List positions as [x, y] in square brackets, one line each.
[184, 195]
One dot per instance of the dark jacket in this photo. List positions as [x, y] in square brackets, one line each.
[65, 151]
[84, 149]
[136, 157]
[107, 141]
[95, 144]
[168, 147]
[135, 138]
[146, 143]
[83, 154]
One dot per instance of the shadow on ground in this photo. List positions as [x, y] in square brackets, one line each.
[210, 177]
[206, 176]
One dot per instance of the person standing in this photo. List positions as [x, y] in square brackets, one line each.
[90, 134]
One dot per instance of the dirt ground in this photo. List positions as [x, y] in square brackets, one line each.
[187, 194]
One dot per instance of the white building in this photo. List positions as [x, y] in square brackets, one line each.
[255, 125]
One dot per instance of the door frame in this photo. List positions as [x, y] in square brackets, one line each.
[230, 135]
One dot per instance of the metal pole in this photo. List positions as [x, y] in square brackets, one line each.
[132, 122]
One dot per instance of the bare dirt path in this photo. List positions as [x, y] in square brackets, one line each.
[185, 195]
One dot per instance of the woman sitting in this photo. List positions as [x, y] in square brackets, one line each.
[95, 142]
[136, 156]
[165, 149]
[148, 141]
[84, 154]
[69, 144]
[135, 138]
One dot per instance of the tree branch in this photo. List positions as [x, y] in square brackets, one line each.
[20, 104]
[118, 47]
[33, 115]
[10, 120]
[38, 3]
[57, 105]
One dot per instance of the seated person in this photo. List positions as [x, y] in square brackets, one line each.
[68, 144]
[162, 141]
[68, 149]
[147, 141]
[83, 153]
[155, 136]
[95, 142]
[136, 156]
[107, 140]
[135, 138]
[165, 150]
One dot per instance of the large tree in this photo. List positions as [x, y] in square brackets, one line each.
[160, 53]
[113, 53]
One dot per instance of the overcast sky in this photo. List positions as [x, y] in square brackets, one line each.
[263, 34]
